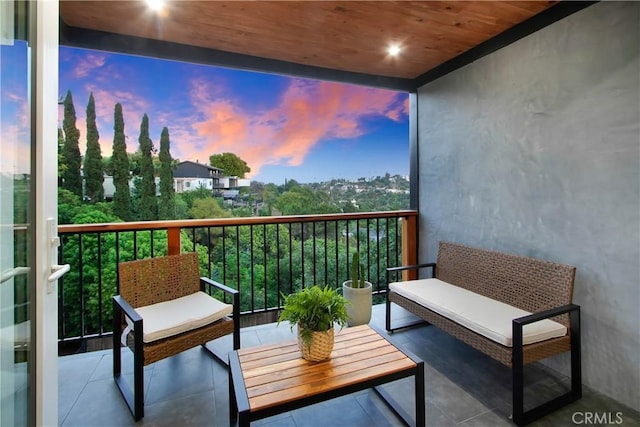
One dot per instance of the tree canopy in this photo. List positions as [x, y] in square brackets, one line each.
[167, 205]
[147, 205]
[120, 167]
[93, 170]
[71, 178]
[231, 164]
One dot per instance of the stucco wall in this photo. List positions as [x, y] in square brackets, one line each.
[535, 150]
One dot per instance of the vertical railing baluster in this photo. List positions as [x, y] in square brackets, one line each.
[253, 285]
[398, 260]
[152, 245]
[135, 245]
[209, 254]
[302, 256]
[378, 253]
[315, 264]
[81, 284]
[100, 326]
[117, 262]
[368, 277]
[224, 254]
[238, 258]
[62, 333]
[348, 261]
[278, 264]
[290, 260]
[264, 244]
[326, 256]
[337, 226]
[386, 224]
[193, 238]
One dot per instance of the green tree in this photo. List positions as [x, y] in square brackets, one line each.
[61, 166]
[167, 206]
[231, 164]
[270, 196]
[207, 208]
[69, 205]
[71, 178]
[147, 204]
[299, 200]
[120, 167]
[93, 170]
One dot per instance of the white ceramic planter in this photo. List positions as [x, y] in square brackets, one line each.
[359, 310]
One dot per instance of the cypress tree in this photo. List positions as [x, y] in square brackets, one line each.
[61, 165]
[71, 178]
[147, 203]
[93, 169]
[120, 167]
[167, 206]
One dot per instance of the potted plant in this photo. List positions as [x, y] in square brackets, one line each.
[315, 310]
[358, 292]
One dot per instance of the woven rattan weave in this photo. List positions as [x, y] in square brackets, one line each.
[540, 287]
[151, 281]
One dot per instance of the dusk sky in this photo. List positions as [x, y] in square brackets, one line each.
[283, 127]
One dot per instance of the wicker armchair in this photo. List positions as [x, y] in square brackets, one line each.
[154, 288]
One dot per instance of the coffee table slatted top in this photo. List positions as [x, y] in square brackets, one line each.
[275, 374]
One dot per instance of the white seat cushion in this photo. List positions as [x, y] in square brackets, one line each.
[478, 313]
[183, 314]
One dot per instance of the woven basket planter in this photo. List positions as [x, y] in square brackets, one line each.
[320, 347]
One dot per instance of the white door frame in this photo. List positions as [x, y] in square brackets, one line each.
[45, 335]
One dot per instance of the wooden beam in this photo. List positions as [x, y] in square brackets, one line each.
[410, 246]
[173, 241]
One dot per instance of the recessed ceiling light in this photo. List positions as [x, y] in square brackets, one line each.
[393, 50]
[155, 5]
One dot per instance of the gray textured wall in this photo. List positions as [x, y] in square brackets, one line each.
[535, 150]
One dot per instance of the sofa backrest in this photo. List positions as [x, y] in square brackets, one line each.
[152, 280]
[527, 283]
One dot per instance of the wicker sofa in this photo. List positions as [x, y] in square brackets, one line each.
[473, 294]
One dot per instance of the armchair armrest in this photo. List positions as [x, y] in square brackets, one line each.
[205, 282]
[574, 322]
[552, 312]
[395, 270]
[125, 308]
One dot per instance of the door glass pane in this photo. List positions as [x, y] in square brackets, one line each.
[15, 215]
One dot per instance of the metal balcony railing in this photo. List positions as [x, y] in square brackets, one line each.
[262, 257]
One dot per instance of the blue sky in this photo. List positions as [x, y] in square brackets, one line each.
[283, 127]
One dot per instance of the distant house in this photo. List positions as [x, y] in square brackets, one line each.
[190, 175]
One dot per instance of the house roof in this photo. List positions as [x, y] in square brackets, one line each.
[329, 40]
[189, 169]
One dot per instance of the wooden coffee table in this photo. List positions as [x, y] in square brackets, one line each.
[270, 379]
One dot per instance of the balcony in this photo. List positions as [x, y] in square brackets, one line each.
[463, 388]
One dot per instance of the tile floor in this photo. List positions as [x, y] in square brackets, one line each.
[463, 388]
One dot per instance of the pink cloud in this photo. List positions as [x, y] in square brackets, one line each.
[308, 113]
[88, 63]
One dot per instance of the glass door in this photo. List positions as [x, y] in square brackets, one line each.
[16, 216]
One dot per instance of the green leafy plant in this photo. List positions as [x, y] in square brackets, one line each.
[357, 272]
[314, 309]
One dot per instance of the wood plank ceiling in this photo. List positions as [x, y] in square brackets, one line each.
[349, 36]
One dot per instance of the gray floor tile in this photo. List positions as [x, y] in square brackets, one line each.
[193, 410]
[487, 419]
[100, 404]
[343, 411]
[463, 387]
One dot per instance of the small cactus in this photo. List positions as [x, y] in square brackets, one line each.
[357, 272]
